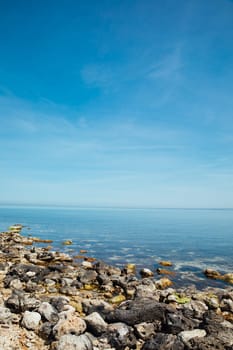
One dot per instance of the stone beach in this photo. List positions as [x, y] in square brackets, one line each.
[52, 301]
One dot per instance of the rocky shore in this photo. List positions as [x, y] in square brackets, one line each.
[52, 301]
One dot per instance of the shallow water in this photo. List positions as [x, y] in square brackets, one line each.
[193, 239]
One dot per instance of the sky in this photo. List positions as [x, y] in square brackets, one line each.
[116, 103]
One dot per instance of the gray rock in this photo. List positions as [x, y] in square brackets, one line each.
[31, 320]
[59, 303]
[95, 323]
[68, 290]
[88, 276]
[48, 312]
[226, 305]
[5, 315]
[66, 282]
[20, 301]
[208, 343]
[16, 284]
[96, 305]
[199, 308]
[147, 289]
[73, 342]
[176, 323]
[103, 268]
[46, 330]
[185, 336]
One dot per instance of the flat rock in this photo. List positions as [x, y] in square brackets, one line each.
[185, 336]
[73, 342]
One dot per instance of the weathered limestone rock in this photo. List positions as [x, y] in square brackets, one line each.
[145, 330]
[73, 342]
[69, 323]
[31, 320]
[5, 315]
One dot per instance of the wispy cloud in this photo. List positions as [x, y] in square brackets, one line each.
[99, 75]
[169, 67]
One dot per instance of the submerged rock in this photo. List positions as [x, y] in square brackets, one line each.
[146, 273]
[165, 263]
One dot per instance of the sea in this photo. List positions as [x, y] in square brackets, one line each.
[192, 239]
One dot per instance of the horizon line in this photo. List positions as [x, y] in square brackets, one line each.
[78, 206]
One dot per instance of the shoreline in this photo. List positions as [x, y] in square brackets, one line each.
[50, 301]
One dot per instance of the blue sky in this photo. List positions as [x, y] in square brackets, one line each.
[117, 103]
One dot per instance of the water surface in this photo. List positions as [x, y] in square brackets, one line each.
[193, 239]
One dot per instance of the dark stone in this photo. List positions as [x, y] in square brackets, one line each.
[176, 322]
[142, 310]
[207, 343]
[45, 256]
[57, 267]
[88, 276]
[20, 271]
[121, 336]
[20, 302]
[59, 303]
[163, 342]
[218, 335]
[45, 330]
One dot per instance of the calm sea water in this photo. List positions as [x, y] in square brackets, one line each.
[192, 239]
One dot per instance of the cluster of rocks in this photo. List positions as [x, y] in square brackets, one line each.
[51, 301]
